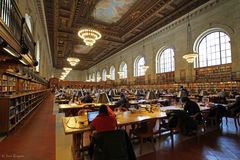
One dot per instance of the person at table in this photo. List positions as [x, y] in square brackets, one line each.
[191, 107]
[181, 93]
[122, 102]
[234, 108]
[87, 98]
[105, 121]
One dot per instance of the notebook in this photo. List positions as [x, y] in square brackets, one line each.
[91, 116]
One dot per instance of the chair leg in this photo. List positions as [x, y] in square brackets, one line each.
[141, 143]
[238, 119]
[152, 141]
[226, 120]
[235, 122]
[172, 140]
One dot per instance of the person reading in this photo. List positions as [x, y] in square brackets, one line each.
[122, 102]
[105, 120]
[87, 98]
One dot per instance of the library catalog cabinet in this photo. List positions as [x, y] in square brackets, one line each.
[13, 109]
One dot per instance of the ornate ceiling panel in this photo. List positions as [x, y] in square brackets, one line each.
[121, 23]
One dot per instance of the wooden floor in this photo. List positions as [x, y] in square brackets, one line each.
[215, 145]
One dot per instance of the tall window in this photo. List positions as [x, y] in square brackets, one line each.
[28, 22]
[5, 8]
[104, 73]
[89, 77]
[214, 49]
[93, 77]
[123, 70]
[98, 77]
[138, 66]
[38, 55]
[165, 61]
[112, 72]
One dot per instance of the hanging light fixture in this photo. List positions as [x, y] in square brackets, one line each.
[89, 34]
[190, 55]
[73, 61]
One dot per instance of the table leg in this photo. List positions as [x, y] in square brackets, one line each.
[77, 146]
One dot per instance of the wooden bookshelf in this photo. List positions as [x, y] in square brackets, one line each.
[16, 108]
[214, 73]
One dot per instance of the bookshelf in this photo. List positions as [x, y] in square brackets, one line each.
[214, 74]
[16, 108]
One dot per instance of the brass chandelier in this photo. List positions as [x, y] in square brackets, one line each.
[89, 36]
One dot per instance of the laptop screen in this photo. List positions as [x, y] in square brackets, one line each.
[91, 116]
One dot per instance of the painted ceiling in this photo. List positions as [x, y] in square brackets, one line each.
[110, 11]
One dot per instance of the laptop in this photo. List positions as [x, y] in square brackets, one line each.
[91, 115]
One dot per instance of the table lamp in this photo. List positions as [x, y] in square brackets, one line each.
[103, 98]
[150, 96]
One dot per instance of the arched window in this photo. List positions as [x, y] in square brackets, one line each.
[138, 66]
[98, 77]
[112, 73]
[214, 48]
[28, 22]
[93, 77]
[165, 61]
[104, 75]
[123, 70]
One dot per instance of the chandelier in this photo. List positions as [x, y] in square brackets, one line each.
[190, 55]
[89, 36]
[73, 61]
[144, 68]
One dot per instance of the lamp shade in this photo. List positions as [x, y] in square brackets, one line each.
[112, 93]
[150, 95]
[103, 98]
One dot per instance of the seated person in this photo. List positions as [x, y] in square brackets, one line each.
[234, 108]
[122, 102]
[191, 107]
[87, 98]
[105, 121]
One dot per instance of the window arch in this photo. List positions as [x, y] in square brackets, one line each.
[165, 61]
[214, 48]
[138, 66]
[93, 77]
[123, 70]
[104, 75]
[112, 73]
[98, 77]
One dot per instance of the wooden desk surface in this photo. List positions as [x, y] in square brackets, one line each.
[79, 124]
[82, 105]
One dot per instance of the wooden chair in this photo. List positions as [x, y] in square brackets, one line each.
[201, 124]
[146, 133]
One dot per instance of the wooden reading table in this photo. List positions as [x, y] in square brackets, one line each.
[78, 125]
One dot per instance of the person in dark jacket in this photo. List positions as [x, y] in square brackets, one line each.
[87, 98]
[122, 102]
[234, 108]
[191, 108]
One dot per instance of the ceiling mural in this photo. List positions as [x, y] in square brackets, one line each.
[110, 11]
[83, 49]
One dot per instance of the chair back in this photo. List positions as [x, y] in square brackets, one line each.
[112, 145]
